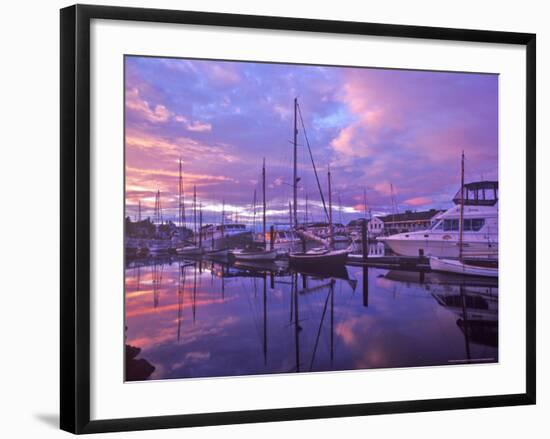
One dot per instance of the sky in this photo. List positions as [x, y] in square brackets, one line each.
[375, 128]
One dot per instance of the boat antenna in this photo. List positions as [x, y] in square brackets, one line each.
[311, 157]
[295, 169]
[393, 203]
[264, 206]
[330, 226]
[460, 243]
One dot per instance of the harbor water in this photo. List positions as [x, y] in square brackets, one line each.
[191, 319]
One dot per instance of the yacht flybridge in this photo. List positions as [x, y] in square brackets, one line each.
[443, 240]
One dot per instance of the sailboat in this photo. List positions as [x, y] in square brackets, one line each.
[485, 267]
[190, 249]
[220, 251]
[258, 254]
[321, 257]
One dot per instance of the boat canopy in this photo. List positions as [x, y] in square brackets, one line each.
[478, 193]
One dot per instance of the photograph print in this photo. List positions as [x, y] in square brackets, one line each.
[289, 218]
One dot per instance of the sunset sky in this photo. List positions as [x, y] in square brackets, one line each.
[374, 127]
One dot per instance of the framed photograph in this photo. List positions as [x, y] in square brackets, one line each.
[268, 218]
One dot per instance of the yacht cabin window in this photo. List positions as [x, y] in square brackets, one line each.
[452, 225]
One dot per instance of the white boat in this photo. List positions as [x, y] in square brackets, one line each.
[284, 241]
[466, 267]
[442, 240]
[254, 255]
[215, 233]
[258, 254]
[221, 253]
[189, 250]
[159, 247]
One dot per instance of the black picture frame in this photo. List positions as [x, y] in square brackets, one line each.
[75, 217]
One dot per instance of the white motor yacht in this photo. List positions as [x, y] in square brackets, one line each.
[442, 240]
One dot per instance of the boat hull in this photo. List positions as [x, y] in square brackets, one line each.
[222, 253]
[458, 267]
[269, 255]
[438, 248]
[189, 251]
[318, 261]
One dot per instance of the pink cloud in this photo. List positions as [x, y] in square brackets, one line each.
[135, 103]
[199, 126]
[223, 73]
[346, 143]
[193, 125]
[383, 188]
[160, 113]
[418, 201]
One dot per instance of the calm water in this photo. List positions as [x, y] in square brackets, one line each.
[206, 319]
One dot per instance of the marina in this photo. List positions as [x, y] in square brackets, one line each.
[299, 243]
[457, 240]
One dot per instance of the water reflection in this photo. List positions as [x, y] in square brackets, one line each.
[203, 318]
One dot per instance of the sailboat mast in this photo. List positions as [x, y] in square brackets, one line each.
[181, 201]
[295, 180]
[195, 213]
[200, 225]
[460, 243]
[265, 318]
[306, 217]
[254, 212]
[392, 204]
[264, 206]
[179, 196]
[223, 224]
[160, 211]
[331, 231]
[365, 201]
[340, 209]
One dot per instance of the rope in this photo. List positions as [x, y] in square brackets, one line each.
[312, 162]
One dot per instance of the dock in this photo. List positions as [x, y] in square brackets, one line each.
[395, 262]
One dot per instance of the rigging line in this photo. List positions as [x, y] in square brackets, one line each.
[312, 162]
[255, 318]
[319, 331]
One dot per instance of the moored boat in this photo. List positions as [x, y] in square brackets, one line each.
[258, 254]
[284, 241]
[159, 247]
[220, 253]
[254, 255]
[189, 250]
[485, 263]
[482, 267]
[479, 213]
[319, 258]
